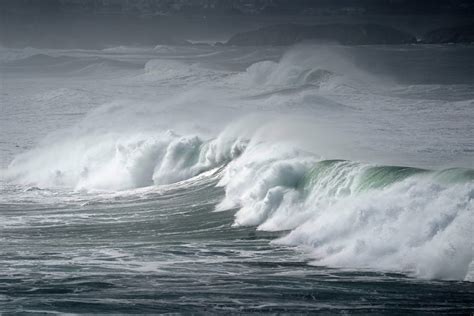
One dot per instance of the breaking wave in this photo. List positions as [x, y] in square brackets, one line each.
[311, 66]
[344, 213]
[355, 215]
[119, 162]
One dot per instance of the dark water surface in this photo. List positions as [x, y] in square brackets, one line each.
[166, 252]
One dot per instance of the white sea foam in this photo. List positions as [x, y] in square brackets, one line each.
[278, 174]
[420, 224]
[311, 65]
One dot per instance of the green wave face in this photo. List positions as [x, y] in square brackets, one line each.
[320, 170]
[455, 175]
[382, 176]
[338, 177]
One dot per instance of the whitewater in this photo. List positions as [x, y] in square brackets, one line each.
[225, 179]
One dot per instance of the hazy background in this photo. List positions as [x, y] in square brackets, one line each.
[103, 23]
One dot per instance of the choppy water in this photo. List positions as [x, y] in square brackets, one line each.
[169, 252]
[155, 180]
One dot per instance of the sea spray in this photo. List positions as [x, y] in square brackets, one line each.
[320, 162]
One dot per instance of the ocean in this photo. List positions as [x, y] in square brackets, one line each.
[213, 179]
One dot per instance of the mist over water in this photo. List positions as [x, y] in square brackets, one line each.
[207, 175]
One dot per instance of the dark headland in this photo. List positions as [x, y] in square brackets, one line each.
[346, 34]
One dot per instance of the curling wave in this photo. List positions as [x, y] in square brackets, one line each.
[355, 215]
[116, 162]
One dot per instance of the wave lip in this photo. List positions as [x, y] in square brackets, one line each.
[119, 162]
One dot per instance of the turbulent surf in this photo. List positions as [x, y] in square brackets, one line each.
[202, 174]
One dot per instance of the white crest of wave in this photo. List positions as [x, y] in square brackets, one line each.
[118, 162]
[415, 226]
[418, 225]
[319, 66]
[125, 145]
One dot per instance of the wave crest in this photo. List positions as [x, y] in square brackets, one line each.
[355, 215]
[118, 162]
[313, 66]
